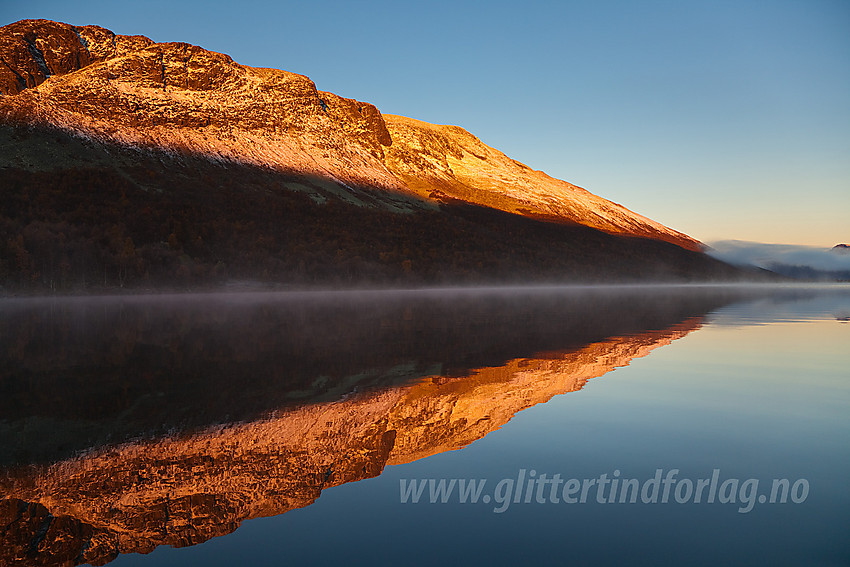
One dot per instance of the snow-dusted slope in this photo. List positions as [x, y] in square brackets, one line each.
[182, 98]
[433, 159]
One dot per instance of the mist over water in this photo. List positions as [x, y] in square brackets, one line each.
[224, 407]
[84, 371]
[141, 365]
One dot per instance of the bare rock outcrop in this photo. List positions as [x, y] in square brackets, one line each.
[34, 50]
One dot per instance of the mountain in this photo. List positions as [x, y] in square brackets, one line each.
[129, 162]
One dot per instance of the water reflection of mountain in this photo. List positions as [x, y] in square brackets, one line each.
[251, 391]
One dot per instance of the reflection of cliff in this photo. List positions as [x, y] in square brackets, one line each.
[185, 489]
[437, 417]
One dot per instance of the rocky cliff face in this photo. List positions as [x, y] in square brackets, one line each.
[186, 489]
[183, 98]
[35, 50]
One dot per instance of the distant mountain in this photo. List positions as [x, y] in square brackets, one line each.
[807, 273]
[810, 263]
[841, 249]
[129, 162]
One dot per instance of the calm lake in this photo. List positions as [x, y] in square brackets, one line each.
[682, 425]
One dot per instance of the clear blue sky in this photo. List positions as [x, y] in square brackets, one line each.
[725, 120]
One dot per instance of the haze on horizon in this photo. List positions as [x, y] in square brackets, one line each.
[721, 120]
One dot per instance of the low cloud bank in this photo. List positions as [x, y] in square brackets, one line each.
[768, 256]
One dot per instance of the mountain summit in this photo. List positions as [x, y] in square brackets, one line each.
[167, 117]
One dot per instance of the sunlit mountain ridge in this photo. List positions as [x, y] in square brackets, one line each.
[129, 163]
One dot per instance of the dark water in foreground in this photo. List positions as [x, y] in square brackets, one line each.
[604, 426]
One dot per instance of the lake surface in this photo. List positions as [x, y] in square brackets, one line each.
[684, 425]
